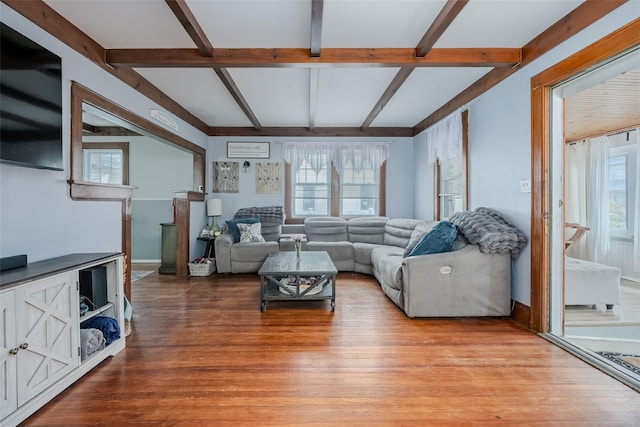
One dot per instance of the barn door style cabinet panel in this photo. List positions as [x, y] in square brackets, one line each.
[40, 322]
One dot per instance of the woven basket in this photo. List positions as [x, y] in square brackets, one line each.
[202, 269]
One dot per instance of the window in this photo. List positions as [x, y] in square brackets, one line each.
[451, 185]
[359, 191]
[106, 163]
[621, 185]
[451, 178]
[325, 192]
[311, 194]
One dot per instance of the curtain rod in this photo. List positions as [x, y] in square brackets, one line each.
[610, 133]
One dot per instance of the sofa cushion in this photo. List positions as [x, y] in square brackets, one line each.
[252, 252]
[417, 234]
[250, 233]
[232, 225]
[459, 243]
[438, 240]
[271, 231]
[387, 265]
[367, 229]
[341, 253]
[362, 252]
[397, 231]
[326, 229]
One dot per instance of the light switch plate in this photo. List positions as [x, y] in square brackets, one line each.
[525, 186]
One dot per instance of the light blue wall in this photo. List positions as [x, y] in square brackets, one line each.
[500, 143]
[37, 216]
[399, 175]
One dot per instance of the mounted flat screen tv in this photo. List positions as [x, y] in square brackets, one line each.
[30, 103]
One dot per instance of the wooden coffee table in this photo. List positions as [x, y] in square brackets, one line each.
[312, 266]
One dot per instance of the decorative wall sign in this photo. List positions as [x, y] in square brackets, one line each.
[164, 118]
[247, 150]
[268, 178]
[225, 177]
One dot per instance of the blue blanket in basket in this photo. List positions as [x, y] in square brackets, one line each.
[107, 325]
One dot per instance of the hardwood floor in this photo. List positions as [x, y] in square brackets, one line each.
[201, 353]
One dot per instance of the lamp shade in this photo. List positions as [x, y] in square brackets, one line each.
[214, 207]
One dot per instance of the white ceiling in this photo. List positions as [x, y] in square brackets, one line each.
[280, 97]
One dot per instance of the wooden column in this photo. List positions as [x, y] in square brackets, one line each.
[181, 203]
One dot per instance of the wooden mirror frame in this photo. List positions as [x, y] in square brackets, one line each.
[82, 190]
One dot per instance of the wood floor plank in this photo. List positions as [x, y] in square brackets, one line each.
[201, 353]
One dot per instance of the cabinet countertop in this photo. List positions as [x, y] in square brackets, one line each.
[35, 270]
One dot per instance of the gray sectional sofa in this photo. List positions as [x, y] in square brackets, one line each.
[463, 282]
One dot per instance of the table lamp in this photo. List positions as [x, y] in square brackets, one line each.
[214, 209]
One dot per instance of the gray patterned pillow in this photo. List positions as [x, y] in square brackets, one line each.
[250, 233]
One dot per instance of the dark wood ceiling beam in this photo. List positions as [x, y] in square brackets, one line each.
[575, 21]
[393, 87]
[108, 131]
[318, 131]
[181, 10]
[446, 16]
[191, 26]
[299, 57]
[55, 24]
[228, 82]
[317, 7]
[88, 128]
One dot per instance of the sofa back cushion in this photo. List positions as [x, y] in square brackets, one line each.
[397, 231]
[326, 229]
[271, 231]
[367, 229]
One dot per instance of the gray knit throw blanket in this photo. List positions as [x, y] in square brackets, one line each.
[266, 213]
[492, 233]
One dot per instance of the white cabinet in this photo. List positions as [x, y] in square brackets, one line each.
[40, 330]
[8, 349]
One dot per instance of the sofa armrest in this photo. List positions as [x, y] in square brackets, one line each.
[223, 252]
[461, 283]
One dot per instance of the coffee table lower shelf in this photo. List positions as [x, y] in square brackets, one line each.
[270, 291]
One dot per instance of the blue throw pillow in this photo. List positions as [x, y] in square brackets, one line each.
[438, 240]
[232, 225]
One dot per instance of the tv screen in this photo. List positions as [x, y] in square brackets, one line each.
[30, 103]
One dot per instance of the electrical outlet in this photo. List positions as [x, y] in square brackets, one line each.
[525, 186]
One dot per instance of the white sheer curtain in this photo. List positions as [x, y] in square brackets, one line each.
[316, 154]
[597, 198]
[358, 154]
[445, 137]
[575, 197]
[587, 196]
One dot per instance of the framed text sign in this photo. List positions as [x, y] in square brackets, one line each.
[247, 150]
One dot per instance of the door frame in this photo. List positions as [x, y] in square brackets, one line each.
[618, 42]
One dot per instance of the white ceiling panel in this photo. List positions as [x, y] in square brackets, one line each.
[347, 95]
[426, 90]
[377, 23]
[125, 24]
[254, 23]
[200, 91]
[278, 97]
[500, 23]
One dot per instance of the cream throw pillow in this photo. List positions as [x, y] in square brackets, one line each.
[250, 233]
